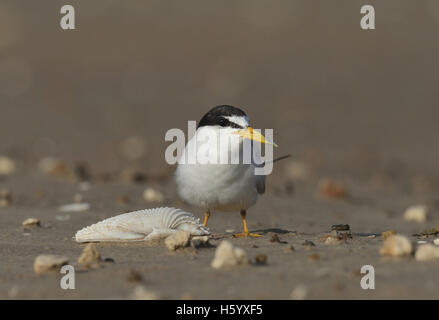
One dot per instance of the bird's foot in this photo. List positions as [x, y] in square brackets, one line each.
[247, 234]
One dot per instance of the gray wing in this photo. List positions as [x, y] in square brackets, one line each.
[259, 179]
[260, 184]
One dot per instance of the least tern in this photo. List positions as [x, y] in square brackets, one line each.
[218, 186]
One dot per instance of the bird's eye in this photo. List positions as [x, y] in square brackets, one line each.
[223, 122]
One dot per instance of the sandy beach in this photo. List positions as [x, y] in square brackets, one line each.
[83, 117]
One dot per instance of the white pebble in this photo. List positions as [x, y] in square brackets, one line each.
[427, 252]
[7, 165]
[47, 263]
[396, 245]
[299, 293]
[141, 293]
[152, 195]
[74, 207]
[179, 239]
[416, 213]
[436, 241]
[90, 256]
[227, 255]
[31, 222]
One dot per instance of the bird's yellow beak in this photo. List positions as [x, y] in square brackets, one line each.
[249, 133]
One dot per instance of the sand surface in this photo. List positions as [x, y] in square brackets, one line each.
[358, 107]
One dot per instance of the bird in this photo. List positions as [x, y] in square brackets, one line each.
[218, 186]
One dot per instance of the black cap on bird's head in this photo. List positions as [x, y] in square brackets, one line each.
[220, 116]
[232, 117]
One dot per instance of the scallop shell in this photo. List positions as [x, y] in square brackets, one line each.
[142, 225]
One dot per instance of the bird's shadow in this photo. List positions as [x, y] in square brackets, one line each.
[260, 231]
[274, 230]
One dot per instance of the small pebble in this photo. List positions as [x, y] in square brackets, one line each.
[134, 276]
[227, 255]
[436, 241]
[141, 293]
[340, 227]
[74, 207]
[396, 245]
[314, 257]
[5, 198]
[289, 248]
[7, 165]
[388, 233]
[90, 256]
[427, 252]
[331, 189]
[31, 222]
[299, 293]
[308, 243]
[130, 175]
[274, 238]
[261, 259]
[123, 199]
[179, 239]
[416, 213]
[331, 240]
[49, 263]
[53, 166]
[152, 195]
[422, 242]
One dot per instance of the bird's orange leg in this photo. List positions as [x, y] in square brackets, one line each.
[246, 233]
[206, 217]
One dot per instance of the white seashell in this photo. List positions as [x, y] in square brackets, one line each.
[142, 225]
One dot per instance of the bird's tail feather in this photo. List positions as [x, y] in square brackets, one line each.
[278, 159]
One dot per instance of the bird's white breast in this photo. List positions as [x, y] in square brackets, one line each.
[224, 187]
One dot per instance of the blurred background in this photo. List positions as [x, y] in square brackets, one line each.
[356, 109]
[343, 99]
